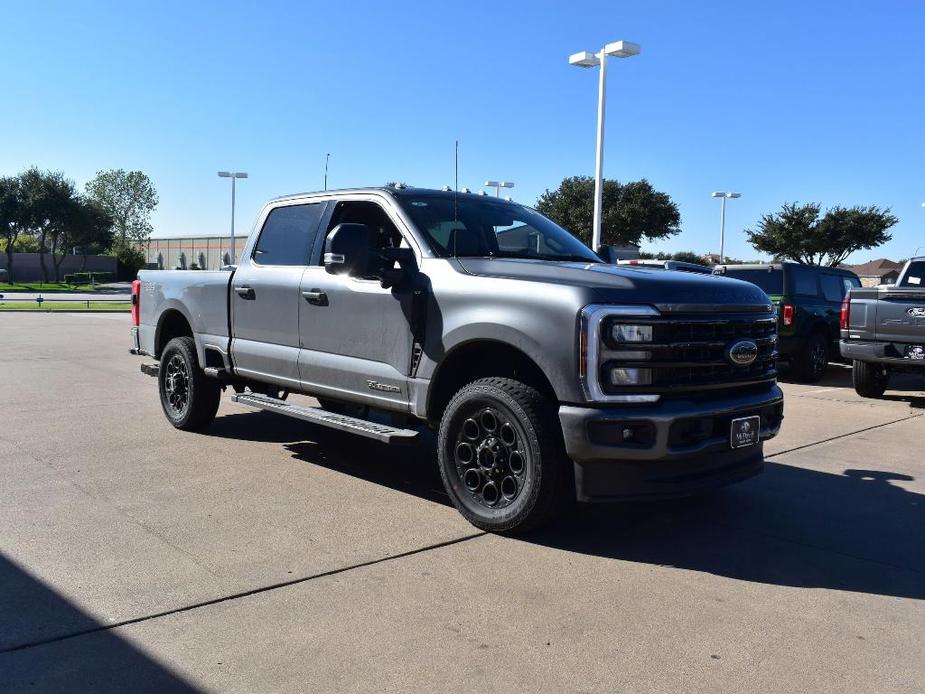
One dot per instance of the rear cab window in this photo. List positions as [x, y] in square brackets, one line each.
[288, 235]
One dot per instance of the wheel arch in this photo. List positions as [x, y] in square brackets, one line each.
[172, 323]
[482, 358]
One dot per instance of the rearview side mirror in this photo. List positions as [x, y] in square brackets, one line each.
[346, 250]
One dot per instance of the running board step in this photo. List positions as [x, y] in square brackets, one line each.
[332, 420]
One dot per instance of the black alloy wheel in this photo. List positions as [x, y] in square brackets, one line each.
[501, 456]
[189, 398]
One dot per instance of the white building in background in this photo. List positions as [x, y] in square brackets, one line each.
[190, 251]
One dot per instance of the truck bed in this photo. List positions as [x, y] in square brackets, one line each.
[201, 296]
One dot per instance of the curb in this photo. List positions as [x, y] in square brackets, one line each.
[69, 310]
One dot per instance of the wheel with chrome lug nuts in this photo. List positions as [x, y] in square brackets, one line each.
[189, 398]
[501, 456]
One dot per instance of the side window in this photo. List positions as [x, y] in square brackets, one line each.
[385, 233]
[804, 281]
[915, 277]
[833, 289]
[850, 282]
[288, 234]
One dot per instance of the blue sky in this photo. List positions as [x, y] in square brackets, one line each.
[783, 101]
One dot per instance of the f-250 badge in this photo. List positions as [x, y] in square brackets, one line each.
[916, 311]
[387, 387]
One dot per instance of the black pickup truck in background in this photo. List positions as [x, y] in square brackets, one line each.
[883, 330]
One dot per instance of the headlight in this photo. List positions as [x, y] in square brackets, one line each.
[609, 337]
[620, 376]
[630, 333]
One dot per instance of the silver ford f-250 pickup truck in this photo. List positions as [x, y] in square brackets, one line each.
[883, 330]
[548, 374]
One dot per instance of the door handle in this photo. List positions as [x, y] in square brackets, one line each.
[316, 297]
[245, 292]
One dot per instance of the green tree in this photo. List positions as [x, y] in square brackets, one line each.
[798, 232]
[84, 224]
[12, 226]
[688, 257]
[48, 198]
[129, 197]
[630, 211]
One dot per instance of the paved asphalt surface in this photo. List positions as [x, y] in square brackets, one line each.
[266, 555]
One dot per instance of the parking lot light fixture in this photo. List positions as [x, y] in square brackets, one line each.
[586, 59]
[233, 175]
[498, 185]
[723, 195]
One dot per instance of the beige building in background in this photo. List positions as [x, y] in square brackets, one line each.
[191, 252]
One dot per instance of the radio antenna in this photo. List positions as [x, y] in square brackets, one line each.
[455, 231]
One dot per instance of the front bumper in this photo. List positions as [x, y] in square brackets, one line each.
[677, 447]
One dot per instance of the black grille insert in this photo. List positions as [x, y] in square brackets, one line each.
[690, 353]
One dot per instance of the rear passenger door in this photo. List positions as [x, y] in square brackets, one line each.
[265, 294]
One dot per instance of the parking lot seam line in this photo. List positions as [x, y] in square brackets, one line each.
[242, 594]
[842, 436]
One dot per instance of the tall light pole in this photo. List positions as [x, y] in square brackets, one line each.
[722, 220]
[327, 158]
[617, 49]
[233, 175]
[498, 185]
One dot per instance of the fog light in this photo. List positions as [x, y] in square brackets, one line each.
[630, 377]
[631, 333]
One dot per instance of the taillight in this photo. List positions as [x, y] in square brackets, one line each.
[845, 313]
[788, 314]
[136, 302]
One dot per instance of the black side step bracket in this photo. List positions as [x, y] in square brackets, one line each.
[332, 420]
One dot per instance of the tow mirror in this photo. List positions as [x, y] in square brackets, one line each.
[346, 250]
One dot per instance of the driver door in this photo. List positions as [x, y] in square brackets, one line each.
[355, 336]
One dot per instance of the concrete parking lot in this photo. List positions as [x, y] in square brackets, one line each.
[266, 555]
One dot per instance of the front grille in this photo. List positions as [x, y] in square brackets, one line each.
[691, 353]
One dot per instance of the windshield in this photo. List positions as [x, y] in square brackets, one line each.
[770, 281]
[480, 227]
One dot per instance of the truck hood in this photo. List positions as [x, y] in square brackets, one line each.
[666, 289]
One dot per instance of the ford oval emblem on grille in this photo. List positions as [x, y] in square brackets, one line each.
[743, 353]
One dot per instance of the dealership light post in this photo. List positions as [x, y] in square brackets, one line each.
[617, 49]
[722, 220]
[498, 185]
[232, 175]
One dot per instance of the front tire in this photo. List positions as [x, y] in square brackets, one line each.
[870, 380]
[501, 456]
[188, 397]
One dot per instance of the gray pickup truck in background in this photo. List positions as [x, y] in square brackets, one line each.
[883, 330]
[547, 374]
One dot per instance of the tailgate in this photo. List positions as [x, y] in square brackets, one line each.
[901, 316]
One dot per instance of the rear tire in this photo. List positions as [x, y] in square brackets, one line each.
[501, 456]
[188, 397]
[813, 360]
[870, 379]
